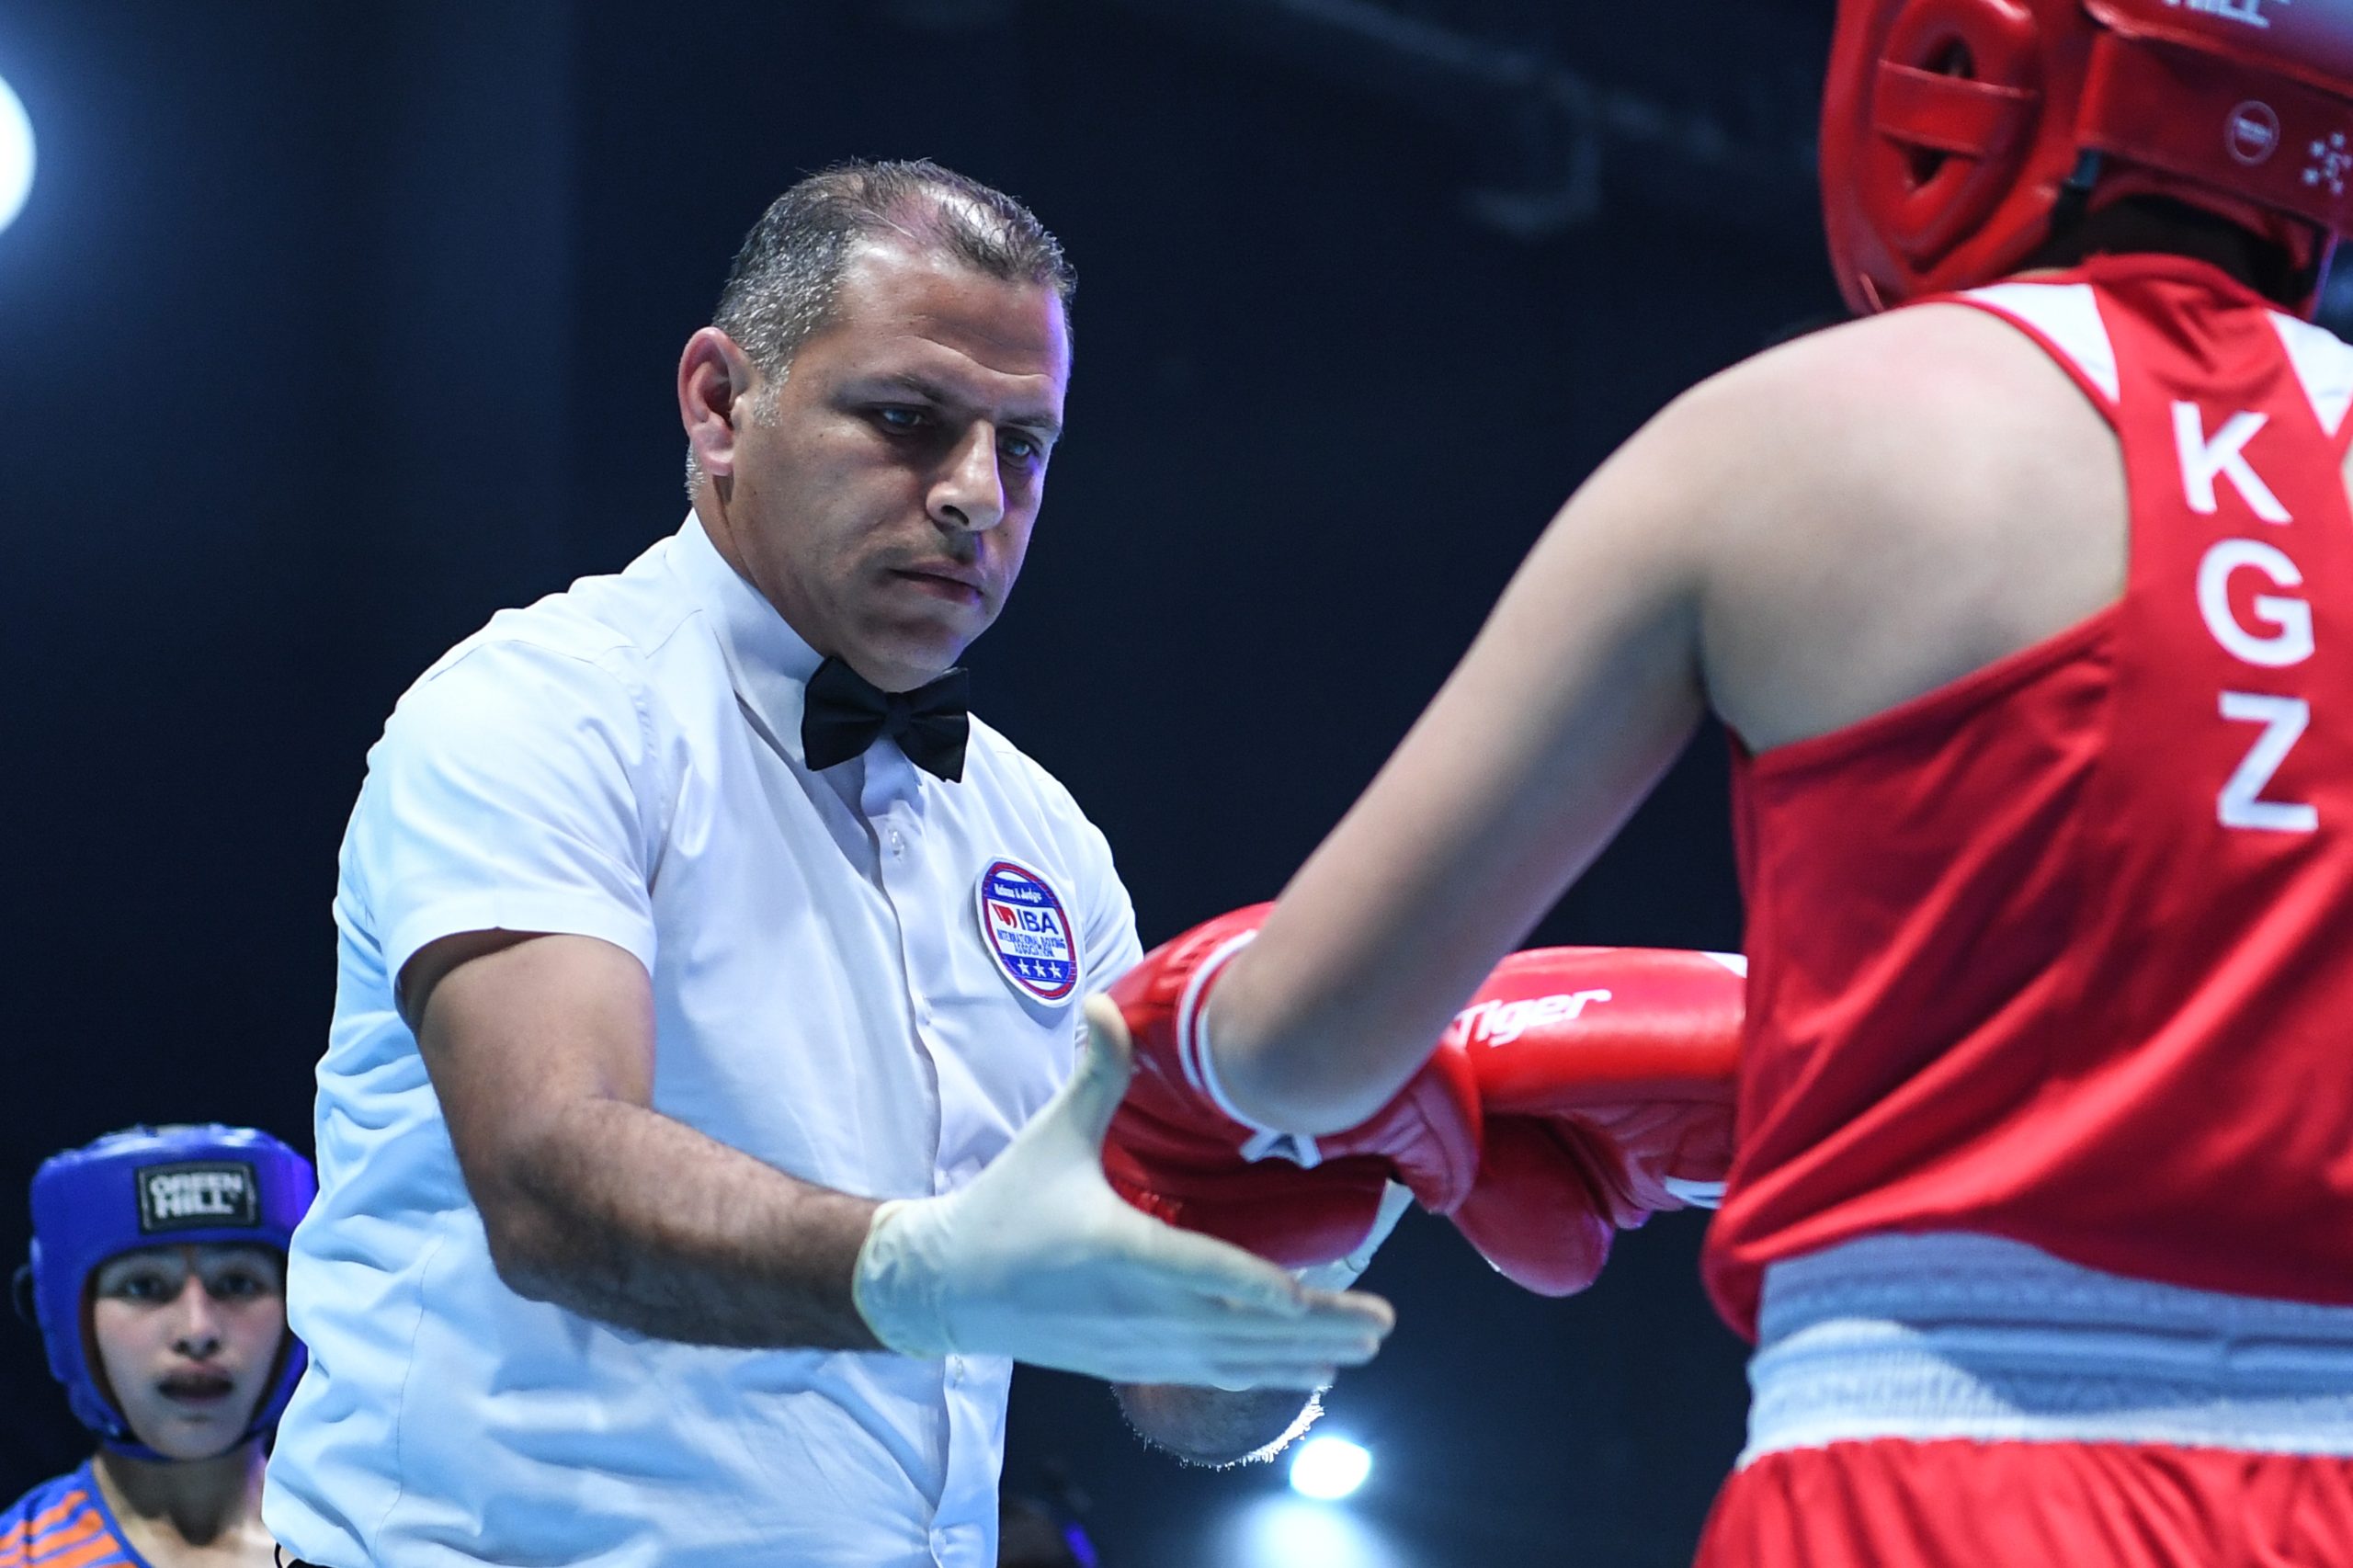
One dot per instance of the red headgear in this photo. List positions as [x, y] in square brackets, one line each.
[1952, 128]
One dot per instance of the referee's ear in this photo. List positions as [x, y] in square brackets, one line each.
[714, 376]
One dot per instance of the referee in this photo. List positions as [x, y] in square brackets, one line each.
[698, 1136]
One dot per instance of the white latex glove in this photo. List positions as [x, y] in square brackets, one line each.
[1038, 1259]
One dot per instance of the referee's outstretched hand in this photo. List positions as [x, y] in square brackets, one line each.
[1038, 1259]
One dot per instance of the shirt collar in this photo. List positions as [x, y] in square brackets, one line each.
[769, 666]
[766, 660]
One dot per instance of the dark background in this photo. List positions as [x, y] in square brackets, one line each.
[330, 329]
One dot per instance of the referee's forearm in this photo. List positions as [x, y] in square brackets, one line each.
[621, 1214]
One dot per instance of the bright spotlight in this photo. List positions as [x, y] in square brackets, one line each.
[1279, 1532]
[1328, 1468]
[16, 156]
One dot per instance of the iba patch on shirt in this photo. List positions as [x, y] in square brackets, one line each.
[1029, 932]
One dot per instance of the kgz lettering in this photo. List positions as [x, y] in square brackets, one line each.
[2282, 638]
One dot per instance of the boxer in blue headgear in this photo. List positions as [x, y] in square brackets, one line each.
[157, 1279]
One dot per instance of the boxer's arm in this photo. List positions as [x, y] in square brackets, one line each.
[1811, 538]
[540, 1049]
[1576, 696]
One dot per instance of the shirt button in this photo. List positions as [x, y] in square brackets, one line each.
[898, 844]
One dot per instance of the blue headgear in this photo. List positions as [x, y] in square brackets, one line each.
[155, 1187]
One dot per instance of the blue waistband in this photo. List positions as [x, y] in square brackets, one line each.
[1950, 1336]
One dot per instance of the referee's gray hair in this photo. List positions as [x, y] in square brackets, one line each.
[782, 285]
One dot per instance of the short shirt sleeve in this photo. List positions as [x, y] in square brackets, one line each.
[1106, 935]
[514, 789]
[1109, 940]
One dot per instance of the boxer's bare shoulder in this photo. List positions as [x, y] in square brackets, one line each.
[1902, 500]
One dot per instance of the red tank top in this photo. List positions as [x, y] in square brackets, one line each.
[2064, 951]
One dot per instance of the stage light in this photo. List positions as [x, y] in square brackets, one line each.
[16, 156]
[1329, 1468]
[1281, 1531]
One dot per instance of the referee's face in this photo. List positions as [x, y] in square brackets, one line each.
[884, 500]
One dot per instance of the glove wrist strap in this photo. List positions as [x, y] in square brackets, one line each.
[1199, 1062]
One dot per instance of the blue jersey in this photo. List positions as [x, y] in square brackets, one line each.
[65, 1523]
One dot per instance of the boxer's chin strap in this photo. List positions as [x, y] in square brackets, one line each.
[1201, 1064]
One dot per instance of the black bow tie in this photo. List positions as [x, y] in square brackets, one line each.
[845, 713]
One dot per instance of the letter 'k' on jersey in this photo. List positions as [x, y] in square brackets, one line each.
[2087, 983]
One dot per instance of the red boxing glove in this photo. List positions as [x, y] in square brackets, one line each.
[1608, 1077]
[1177, 1150]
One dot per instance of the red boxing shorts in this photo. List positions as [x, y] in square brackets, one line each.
[1964, 1505]
[1956, 1402]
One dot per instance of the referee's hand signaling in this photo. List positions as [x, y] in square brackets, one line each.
[1037, 1259]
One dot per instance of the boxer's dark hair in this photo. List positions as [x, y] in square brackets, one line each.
[781, 287]
[2173, 227]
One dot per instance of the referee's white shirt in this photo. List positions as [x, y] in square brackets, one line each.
[622, 761]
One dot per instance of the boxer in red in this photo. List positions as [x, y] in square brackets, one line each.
[2029, 604]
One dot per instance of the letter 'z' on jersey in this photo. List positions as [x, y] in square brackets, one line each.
[1606, 1077]
[2057, 952]
[1175, 1152]
[1954, 132]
